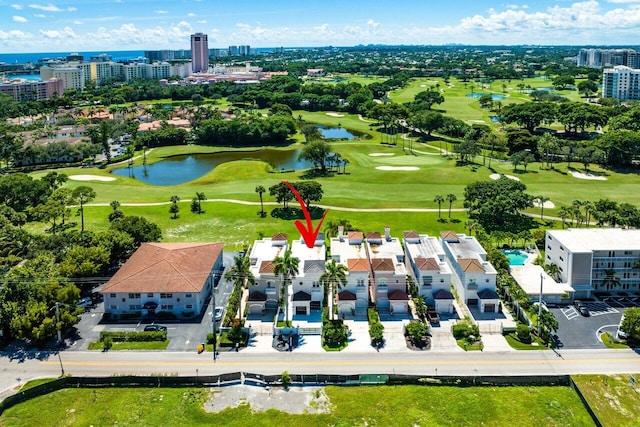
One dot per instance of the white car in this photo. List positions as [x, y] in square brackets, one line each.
[620, 333]
[85, 302]
[218, 312]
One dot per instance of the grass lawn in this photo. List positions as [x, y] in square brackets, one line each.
[612, 398]
[518, 345]
[383, 405]
[132, 345]
[463, 344]
[611, 342]
[37, 382]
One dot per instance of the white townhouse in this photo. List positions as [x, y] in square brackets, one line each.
[350, 251]
[426, 261]
[389, 274]
[172, 278]
[596, 259]
[305, 293]
[476, 284]
[265, 294]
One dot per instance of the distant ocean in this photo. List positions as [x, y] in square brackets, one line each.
[23, 58]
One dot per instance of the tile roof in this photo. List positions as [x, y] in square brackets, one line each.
[301, 296]
[280, 237]
[471, 265]
[382, 264]
[450, 236]
[346, 296]
[358, 264]
[267, 267]
[373, 235]
[487, 294]
[442, 294]
[257, 296]
[398, 295]
[411, 234]
[313, 266]
[354, 235]
[166, 267]
[424, 264]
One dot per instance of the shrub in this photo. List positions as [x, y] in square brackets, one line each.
[119, 336]
[286, 379]
[107, 342]
[334, 334]
[465, 329]
[418, 331]
[523, 334]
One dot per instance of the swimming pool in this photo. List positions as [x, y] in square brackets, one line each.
[516, 256]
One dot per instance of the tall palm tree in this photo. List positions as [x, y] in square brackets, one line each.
[542, 200]
[552, 270]
[451, 198]
[83, 194]
[200, 196]
[286, 266]
[438, 199]
[240, 274]
[334, 278]
[611, 281]
[260, 190]
[174, 209]
[563, 213]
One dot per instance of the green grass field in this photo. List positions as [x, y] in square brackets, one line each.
[383, 406]
[612, 398]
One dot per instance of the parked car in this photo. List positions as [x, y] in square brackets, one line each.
[620, 334]
[218, 312]
[155, 328]
[433, 317]
[582, 309]
[85, 302]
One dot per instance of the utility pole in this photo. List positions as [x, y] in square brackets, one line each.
[213, 314]
[540, 306]
[58, 322]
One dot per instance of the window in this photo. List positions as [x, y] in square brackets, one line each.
[561, 248]
[131, 295]
[549, 247]
[316, 284]
[187, 295]
[487, 280]
[112, 295]
[178, 299]
[113, 307]
[427, 280]
[189, 306]
[167, 306]
[166, 295]
[300, 283]
[561, 259]
[150, 295]
[135, 307]
[360, 282]
[124, 299]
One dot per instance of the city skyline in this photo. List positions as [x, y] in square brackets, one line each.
[65, 26]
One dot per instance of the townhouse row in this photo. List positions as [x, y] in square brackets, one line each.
[177, 277]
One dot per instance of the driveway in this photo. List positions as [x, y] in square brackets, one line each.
[577, 331]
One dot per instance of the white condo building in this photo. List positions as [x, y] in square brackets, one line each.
[350, 251]
[426, 261]
[476, 277]
[265, 294]
[596, 259]
[305, 293]
[389, 274]
[621, 82]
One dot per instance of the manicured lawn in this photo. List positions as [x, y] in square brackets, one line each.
[383, 406]
[612, 398]
[518, 345]
[133, 345]
[33, 383]
[611, 342]
[463, 344]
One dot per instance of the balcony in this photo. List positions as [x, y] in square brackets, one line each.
[270, 291]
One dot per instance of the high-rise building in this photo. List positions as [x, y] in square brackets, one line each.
[199, 52]
[622, 83]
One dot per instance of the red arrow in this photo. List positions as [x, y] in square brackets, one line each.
[308, 234]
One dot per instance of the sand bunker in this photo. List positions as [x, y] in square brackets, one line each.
[335, 115]
[91, 178]
[423, 85]
[497, 176]
[397, 168]
[380, 154]
[547, 205]
[587, 176]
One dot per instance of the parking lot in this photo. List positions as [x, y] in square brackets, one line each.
[578, 331]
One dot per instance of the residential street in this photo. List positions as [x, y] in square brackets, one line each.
[21, 368]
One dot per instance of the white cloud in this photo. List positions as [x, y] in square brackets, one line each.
[191, 14]
[66, 34]
[51, 8]
[161, 12]
[78, 22]
[623, 1]
[17, 6]
[201, 21]
[40, 15]
[17, 18]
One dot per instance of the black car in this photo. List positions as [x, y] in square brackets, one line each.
[155, 328]
[582, 309]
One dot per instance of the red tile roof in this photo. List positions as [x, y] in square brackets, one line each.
[267, 267]
[398, 295]
[354, 235]
[346, 296]
[424, 264]
[373, 235]
[280, 237]
[449, 235]
[166, 267]
[471, 265]
[257, 296]
[358, 264]
[382, 264]
[411, 234]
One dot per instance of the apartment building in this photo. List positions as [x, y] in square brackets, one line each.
[305, 293]
[199, 52]
[426, 262]
[350, 251]
[621, 82]
[595, 259]
[388, 272]
[475, 279]
[265, 294]
[29, 90]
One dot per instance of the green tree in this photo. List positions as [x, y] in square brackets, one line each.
[334, 278]
[548, 324]
[139, 228]
[240, 274]
[587, 87]
[439, 199]
[174, 208]
[311, 133]
[428, 98]
[83, 194]
[200, 197]
[287, 267]
[316, 152]
[631, 323]
[260, 190]
[83, 261]
[450, 198]
[310, 191]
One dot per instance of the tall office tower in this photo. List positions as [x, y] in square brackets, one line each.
[199, 52]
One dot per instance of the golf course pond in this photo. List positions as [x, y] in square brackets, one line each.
[180, 169]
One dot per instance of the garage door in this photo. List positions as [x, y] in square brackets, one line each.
[301, 310]
[399, 308]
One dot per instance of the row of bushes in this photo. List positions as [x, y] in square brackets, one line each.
[120, 336]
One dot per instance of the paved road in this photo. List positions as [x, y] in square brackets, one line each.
[79, 363]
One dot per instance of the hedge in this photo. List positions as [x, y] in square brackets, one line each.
[134, 336]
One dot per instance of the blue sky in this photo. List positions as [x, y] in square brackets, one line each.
[90, 25]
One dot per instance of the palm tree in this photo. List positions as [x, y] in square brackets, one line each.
[331, 227]
[174, 209]
[334, 278]
[451, 198]
[552, 270]
[200, 197]
[240, 274]
[285, 266]
[611, 281]
[542, 200]
[83, 194]
[438, 199]
[260, 190]
[563, 212]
